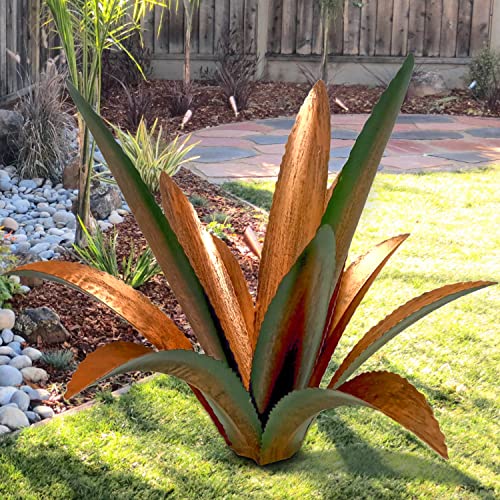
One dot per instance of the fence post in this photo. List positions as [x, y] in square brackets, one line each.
[495, 26]
[263, 13]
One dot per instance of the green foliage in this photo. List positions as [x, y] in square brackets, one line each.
[219, 224]
[61, 360]
[43, 143]
[151, 156]
[198, 201]
[257, 193]
[485, 70]
[9, 286]
[101, 253]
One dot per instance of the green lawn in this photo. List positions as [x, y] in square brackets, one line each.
[156, 442]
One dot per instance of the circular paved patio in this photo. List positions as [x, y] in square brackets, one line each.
[419, 143]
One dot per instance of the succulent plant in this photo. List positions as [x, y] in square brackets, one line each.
[260, 374]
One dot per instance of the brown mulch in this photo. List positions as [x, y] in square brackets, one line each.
[272, 99]
[92, 325]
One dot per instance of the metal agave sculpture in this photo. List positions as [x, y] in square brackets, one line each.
[262, 365]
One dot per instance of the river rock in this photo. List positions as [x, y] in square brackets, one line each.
[7, 319]
[13, 418]
[33, 375]
[21, 362]
[10, 376]
[6, 394]
[41, 323]
[32, 353]
[21, 399]
[10, 224]
[44, 411]
[104, 198]
[11, 123]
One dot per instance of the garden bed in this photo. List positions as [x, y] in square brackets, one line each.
[273, 99]
[91, 324]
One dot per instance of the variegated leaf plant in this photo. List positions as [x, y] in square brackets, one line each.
[260, 374]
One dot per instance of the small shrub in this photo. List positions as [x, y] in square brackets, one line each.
[218, 224]
[61, 360]
[485, 71]
[139, 103]
[150, 155]
[198, 201]
[236, 69]
[43, 143]
[9, 286]
[181, 98]
[101, 253]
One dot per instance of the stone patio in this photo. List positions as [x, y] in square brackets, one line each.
[420, 143]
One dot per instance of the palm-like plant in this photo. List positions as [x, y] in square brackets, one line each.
[259, 377]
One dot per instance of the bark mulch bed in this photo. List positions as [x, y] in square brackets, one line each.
[269, 100]
[92, 325]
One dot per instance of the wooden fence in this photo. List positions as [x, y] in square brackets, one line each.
[375, 30]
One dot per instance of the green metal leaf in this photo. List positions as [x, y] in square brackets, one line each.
[292, 329]
[220, 386]
[355, 180]
[290, 419]
[160, 236]
[396, 322]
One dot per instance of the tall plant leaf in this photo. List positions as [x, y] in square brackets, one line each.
[208, 265]
[299, 198]
[398, 399]
[162, 239]
[220, 386]
[397, 321]
[291, 333]
[132, 306]
[354, 284]
[355, 180]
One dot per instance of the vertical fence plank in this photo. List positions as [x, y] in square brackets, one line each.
[3, 48]
[317, 30]
[236, 19]
[148, 29]
[432, 38]
[464, 27]
[250, 24]
[195, 31]
[12, 45]
[352, 23]
[161, 30]
[449, 23]
[416, 28]
[304, 26]
[336, 38]
[480, 28]
[176, 31]
[368, 28]
[384, 27]
[400, 20]
[275, 26]
[207, 12]
[289, 28]
[221, 28]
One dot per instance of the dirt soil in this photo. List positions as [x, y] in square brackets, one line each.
[270, 99]
[92, 325]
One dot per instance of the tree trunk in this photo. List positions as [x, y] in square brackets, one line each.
[189, 9]
[326, 45]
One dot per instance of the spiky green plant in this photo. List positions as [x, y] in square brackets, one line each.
[151, 155]
[61, 359]
[260, 374]
[101, 252]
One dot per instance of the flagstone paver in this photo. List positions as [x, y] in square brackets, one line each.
[420, 143]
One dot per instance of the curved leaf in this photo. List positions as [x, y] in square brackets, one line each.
[252, 242]
[160, 236]
[356, 178]
[397, 321]
[354, 284]
[240, 287]
[99, 363]
[132, 306]
[220, 386]
[292, 330]
[290, 419]
[398, 399]
[299, 198]
[204, 256]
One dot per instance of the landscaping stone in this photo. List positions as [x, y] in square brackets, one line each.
[6, 394]
[7, 336]
[32, 353]
[426, 83]
[4, 360]
[41, 323]
[104, 198]
[10, 376]
[4, 430]
[10, 224]
[21, 399]
[115, 218]
[33, 375]
[7, 319]
[44, 411]
[13, 418]
[10, 126]
[220, 154]
[21, 362]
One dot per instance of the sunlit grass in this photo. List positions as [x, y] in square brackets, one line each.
[156, 442]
